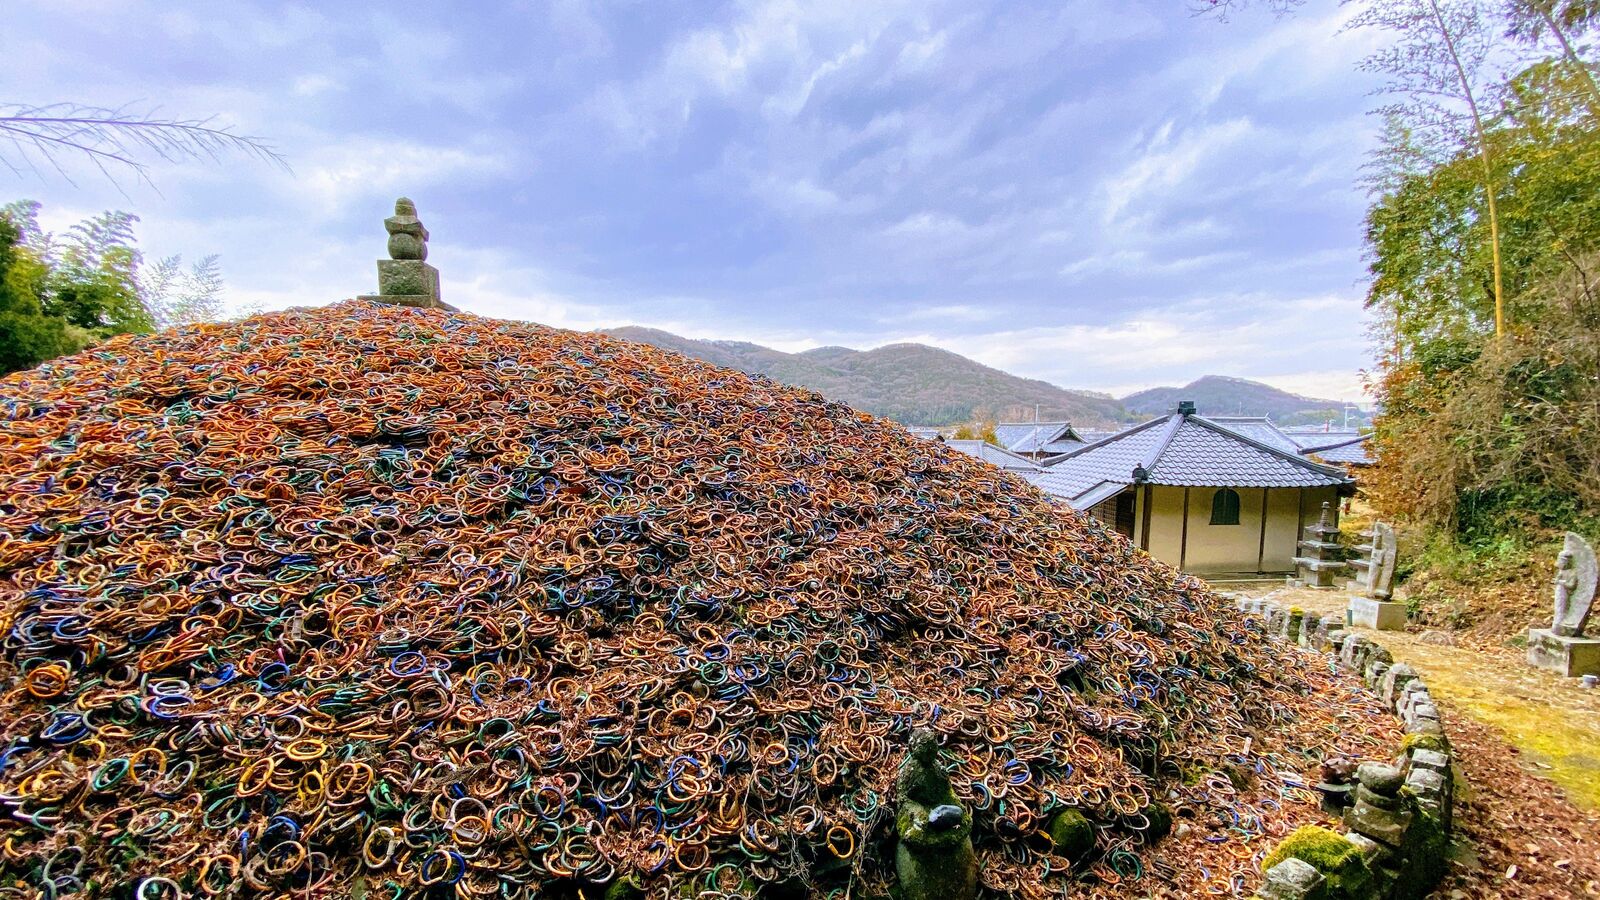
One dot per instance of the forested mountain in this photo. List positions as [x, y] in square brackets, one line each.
[1219, 395]
[910, 383]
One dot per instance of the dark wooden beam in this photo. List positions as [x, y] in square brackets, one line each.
[1144, 528]
[1183, 541]
[1261, 553]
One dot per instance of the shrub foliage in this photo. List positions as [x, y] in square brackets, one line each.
[1483, 439]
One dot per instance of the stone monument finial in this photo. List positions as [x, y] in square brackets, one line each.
[405, 277]
[408, 239]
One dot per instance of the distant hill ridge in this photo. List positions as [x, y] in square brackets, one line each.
[1221, 395]
[911, 383]
[921, 385]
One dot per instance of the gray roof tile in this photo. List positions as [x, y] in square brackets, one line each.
[995, 456]
[1181, 450]
[1259, 429]
[1090, 437]
[1318, 435]
[1036, 437]
[1351, 451]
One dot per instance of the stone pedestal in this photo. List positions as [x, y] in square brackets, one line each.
[1566, 656]
[408, 282]
[1379, 615]
[407, 277]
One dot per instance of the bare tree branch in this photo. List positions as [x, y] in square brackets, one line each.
[1223, 8]
[116, 139]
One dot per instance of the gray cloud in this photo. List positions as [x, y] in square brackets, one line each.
[1103, 194]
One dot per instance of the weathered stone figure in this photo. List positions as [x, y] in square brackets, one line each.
[408, 239]
[1372, 607]
[1575, 582]
[1380, 573]
[1566, 582]
[1369, 571]
[934, 859]
[1564, 647]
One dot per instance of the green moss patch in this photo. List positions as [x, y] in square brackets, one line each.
[1432, 742]
[1328, 852]
[1071, 833]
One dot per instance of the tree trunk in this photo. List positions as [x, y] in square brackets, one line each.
[1577, 63]
[1488, 168]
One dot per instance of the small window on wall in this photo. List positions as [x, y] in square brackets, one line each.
[1225, 507]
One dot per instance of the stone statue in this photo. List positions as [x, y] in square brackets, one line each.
[1369, 576]
[1575, 581]
[1380, 574]
[407, 238]
[1374, 607]
[1563, 648]
[934, 859]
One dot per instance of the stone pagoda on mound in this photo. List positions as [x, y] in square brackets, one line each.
[1318, 560]
[405, 277]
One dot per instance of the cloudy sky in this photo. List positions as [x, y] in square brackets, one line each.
[1107, 194]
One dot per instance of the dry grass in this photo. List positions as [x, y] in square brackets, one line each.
[1490, 610]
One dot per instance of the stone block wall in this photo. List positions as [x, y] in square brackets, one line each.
[1399, 827]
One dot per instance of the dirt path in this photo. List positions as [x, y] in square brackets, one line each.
[1529, 748]
[1552, 721]
[1516, 837]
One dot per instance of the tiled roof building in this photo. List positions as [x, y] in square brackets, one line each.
[1195, 493]
[1038, 438]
